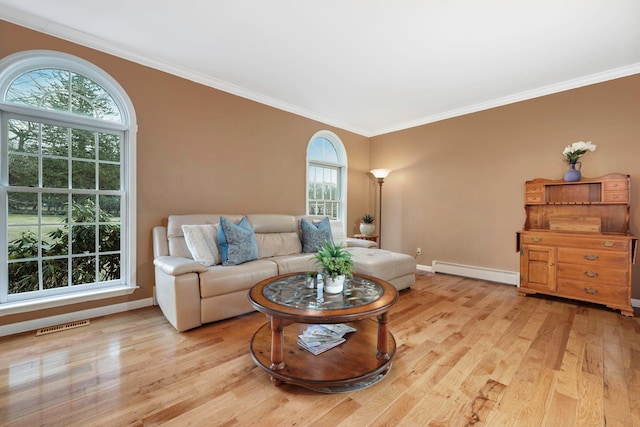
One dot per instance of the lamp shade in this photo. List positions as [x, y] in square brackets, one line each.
[381, 173]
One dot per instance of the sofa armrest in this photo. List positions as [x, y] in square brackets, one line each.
[176, 266]
[360, 243]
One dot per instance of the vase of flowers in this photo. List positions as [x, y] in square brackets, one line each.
[572, 154]
[367, 227]
[573, 174]
[336, 263]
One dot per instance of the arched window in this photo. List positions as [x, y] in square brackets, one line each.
[326, 176]
[67, 179]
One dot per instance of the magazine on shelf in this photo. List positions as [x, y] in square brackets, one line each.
[320, 338]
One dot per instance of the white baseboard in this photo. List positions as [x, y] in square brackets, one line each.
[426, 268]
[490, 274]
[31, 325]
[474, 272]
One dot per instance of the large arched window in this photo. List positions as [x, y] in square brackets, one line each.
[67, 180]
[326, 176]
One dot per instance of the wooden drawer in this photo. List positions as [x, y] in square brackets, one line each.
[534, 188]
[615, 185]
[534, 194]
[535, 198]
[602, 242]
[615, 196]
[594, 292]
[593, 274]
[575, 224]
[601, 258]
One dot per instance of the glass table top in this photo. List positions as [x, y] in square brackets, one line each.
[295, 291]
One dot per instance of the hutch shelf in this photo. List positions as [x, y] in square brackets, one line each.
[576, 241]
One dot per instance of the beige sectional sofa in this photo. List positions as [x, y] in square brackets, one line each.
[191, 294]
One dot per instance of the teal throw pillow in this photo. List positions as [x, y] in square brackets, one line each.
[313, 236]
[240, 240]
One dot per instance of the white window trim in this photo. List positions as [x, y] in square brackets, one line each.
[18, 63]
[342, 164]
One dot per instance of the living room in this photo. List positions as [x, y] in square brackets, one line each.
[456, 186]
[455, 190]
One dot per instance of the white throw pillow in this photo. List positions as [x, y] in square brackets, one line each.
[201, 241]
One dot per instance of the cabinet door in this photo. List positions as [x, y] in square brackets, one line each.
[538, 267]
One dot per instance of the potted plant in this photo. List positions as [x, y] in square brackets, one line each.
[336, 263]
[367, 227]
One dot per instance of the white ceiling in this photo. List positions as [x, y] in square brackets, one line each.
[368, 66]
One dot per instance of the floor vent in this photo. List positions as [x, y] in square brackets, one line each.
[63, 327]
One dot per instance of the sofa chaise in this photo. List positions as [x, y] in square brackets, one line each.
[191, 292]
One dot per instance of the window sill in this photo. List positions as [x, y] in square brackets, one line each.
[62, 300]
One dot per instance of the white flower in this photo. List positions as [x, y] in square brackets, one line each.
[573, 152]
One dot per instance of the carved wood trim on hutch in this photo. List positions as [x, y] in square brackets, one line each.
[576, 241]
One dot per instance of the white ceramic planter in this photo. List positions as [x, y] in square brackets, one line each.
[333, 286]
[367, 229]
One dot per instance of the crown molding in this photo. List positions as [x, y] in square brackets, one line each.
[604, 76]
[87, 40]
[78, 37]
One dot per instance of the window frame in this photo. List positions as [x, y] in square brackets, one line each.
[341, 165]
[12, 67]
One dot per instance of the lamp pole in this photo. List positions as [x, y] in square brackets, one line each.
[380, 181]
[381, 174]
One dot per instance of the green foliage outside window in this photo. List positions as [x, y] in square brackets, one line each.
[24, 273]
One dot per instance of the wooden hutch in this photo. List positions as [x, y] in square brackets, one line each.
[576, 241]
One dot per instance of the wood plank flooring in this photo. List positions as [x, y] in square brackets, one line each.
[469, 353]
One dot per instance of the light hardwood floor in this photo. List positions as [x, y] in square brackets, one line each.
[469, 353]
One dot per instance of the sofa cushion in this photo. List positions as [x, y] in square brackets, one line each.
[241, 242]
[314, 235]
[201, 241]
[296, 263]
[383, 264]
[276, 234]
[221, 280]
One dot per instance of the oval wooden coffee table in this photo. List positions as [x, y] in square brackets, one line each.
[364, 358]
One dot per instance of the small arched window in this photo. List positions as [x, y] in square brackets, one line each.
[326, 176]
[66, 178]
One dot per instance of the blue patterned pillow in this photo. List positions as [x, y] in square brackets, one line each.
[240, 241]
[223, 246]
[313, 236]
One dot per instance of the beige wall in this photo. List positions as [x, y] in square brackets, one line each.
[203, 150]
[457, 186]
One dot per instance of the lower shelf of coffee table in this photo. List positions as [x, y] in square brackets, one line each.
[353, 361]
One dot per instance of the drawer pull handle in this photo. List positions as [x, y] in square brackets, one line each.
[609, 244]
[591, 257]
[536, 239]
[592, 274]
[590, 291]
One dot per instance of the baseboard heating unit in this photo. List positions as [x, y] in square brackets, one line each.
[481, 273]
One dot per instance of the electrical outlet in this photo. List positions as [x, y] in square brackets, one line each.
[418, 251]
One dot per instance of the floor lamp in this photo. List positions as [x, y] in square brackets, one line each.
[381, 174]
